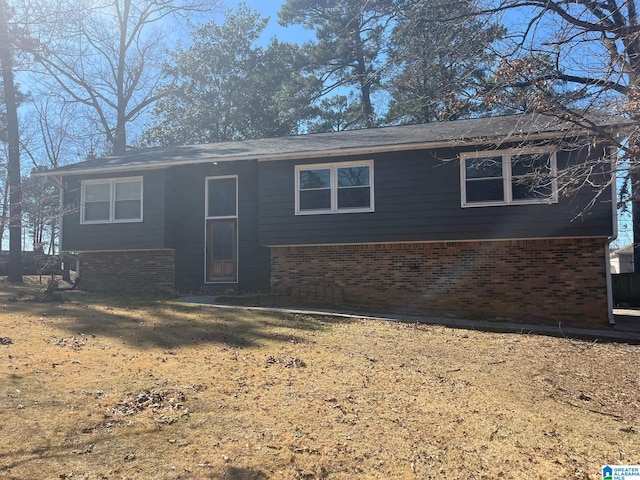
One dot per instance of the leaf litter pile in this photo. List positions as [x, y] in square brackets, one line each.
[110, 388]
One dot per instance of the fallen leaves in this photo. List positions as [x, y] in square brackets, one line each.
[153, 391]
[74, 343]
[289, 362]
[155, 400]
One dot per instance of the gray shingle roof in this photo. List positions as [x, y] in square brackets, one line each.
[407, 137]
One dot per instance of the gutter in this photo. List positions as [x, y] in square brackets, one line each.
[610, 240]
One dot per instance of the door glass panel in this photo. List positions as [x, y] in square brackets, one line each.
[222, 250]
[222, 197]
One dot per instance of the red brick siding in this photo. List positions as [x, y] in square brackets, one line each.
[544, 281]
[132, 271]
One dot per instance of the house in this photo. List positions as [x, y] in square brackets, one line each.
[622, 260]
[443, 218]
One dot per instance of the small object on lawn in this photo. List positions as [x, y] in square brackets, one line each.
[584, 398]
[5, 341]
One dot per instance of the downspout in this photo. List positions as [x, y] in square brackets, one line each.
[610, 240]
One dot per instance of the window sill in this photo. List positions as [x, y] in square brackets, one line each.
[335, 212]
[110, 222]
[510, 204]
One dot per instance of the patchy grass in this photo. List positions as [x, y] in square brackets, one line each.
[110, 388]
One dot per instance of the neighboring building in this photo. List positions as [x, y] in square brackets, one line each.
[422, 219]
[622, 260]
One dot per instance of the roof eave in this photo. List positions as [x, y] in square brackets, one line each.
[301, 155]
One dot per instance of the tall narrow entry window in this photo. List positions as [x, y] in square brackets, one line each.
[221, 232]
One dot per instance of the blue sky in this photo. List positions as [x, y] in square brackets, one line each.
[270, 8]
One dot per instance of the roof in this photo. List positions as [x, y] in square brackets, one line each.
[490, 130]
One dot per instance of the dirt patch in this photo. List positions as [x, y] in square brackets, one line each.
[110, 388]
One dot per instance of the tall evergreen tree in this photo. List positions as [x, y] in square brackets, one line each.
[347, 53]
[227, 87]
[439, 52]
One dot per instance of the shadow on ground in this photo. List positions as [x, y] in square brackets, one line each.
[148, 323]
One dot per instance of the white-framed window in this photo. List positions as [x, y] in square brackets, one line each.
[221, 229]
[508, 177]
[345, 187]
[111, 200]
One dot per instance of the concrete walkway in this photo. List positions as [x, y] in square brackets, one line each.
[627, 319]
[626, 330]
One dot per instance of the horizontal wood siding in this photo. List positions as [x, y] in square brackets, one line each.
[148, 234]
[185, 204]
[417, 198]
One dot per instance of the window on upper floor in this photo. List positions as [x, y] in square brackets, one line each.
[114, 200]
[508, 177]
[334, 188]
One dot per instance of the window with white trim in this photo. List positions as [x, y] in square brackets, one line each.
[221, 236]
[334, 188]
[113, 200]
[508, 177]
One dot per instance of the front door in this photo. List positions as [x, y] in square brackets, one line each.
[221, 231]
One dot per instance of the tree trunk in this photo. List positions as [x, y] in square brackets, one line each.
[13, 164]
[120, 134]
[4, 214]
[365, 82]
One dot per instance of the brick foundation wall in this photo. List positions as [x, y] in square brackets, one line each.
[542, 281]
[131, 271]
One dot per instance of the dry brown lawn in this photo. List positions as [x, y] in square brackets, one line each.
[112, 388]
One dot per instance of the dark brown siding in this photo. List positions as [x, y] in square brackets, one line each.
[417, 198]
[185, 206]
[173, 218]
[148, 234]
